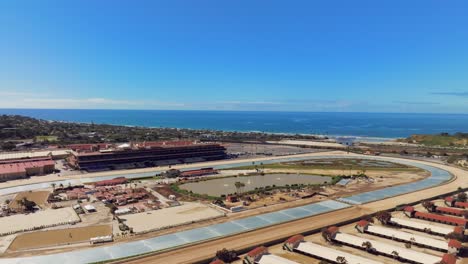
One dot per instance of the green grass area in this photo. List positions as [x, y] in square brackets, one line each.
[443, 140]
[323, 167]
[46, 138]
[175, 188]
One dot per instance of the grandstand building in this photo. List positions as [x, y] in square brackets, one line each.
[148, 154]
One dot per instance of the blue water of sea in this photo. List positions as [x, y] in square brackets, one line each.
[380, 125]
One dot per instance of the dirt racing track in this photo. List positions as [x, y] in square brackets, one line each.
[197, 245]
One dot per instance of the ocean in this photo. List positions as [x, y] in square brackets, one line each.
[373, 125]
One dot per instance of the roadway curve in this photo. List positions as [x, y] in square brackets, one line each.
[202, 251]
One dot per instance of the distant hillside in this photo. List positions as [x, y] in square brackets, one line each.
[443, 139]
[15, 128]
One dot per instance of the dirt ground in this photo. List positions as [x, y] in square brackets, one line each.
[39, 197]
[58, 237]
[173, 216]
[259, 237]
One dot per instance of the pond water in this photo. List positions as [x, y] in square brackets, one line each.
[217, 187]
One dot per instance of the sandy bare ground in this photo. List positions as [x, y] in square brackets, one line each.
[173, 216]
[39, 197]
[258, 237]
[45, 218]
[58, 237]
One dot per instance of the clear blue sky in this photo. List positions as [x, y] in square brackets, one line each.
[367, 56]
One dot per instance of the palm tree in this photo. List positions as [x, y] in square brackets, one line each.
[242, 187]
[342, 260]
[239, 186]
[395, 254]
[429, 206]
[20, 204]
[53, 186]
[326, 234]
[367, 245]
[461, 197]
[384, 217]
[465, 214]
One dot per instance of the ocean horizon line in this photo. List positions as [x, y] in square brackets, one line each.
[234, 111]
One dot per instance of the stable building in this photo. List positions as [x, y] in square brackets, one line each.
[449, 220]
[23, 168]
[425, 227]
[422, 241]
[382, 248]
[297, 244]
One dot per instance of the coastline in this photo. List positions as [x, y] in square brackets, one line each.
[363, 126]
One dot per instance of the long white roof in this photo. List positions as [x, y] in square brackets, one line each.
[273, 259]
[32, 154]
[421, 226]
[332, 254]
[386, 248]
[406, 236]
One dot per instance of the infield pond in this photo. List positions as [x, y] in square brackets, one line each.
[218, 187]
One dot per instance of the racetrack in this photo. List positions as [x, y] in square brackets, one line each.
[238, 242]
[206, 250]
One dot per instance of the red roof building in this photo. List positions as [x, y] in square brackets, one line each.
[196, 173]
[449, 201]
[333, 230]
[362, 225]
[441, 219]
[459, 230]
[17, 169]
[449, 210]
[409, 211]
[449, 259]
[232, 199]
[461, 204]
[116, 181]
[255, 254]
[455, 243]
[292, 242]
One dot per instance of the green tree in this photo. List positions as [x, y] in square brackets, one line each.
[226, 255]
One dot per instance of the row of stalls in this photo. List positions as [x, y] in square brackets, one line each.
[394, 239]
[421, 238]
[378, 247]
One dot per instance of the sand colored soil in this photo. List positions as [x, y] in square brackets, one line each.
[206, 250]
[39, 197]
[173, 216]
[58, 237]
